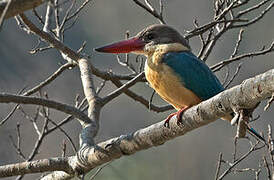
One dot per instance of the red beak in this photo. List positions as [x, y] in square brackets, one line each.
[126, 46]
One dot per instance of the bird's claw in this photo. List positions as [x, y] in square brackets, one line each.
[166, 124]
[178, 116]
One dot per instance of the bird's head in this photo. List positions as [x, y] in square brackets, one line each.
[148, 40]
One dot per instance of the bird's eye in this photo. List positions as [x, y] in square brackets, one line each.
[150, 36]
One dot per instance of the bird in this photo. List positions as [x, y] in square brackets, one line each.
[172, 70]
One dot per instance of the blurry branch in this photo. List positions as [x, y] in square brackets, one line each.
[17, 146]
[236, 48]
[271, 148]
[39, 86]
[69, 53]
[18, 6]
[9, 98]
[202, 29]
[232, 165]
[226, 17]
[218, 166]
[149, 8]
[269, 102]
[221, 64]
[98, 171]
[4, 12]
[41, 165]
[257, 18]
[121, 89]
[245, 95]
[234, 75]
[48, 17]
[269, 166]
[61, 129]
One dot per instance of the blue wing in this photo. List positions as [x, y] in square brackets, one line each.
[194, 73]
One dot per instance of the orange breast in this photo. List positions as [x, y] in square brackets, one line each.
[170, 87]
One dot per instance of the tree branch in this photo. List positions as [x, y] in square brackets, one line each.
[245, 95]
[9, 98]
[18, 6]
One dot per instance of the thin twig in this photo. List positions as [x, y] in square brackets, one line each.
[121, 89]
[218, 166]
[98, 170]
[236, 49]
[4, 13]
[39, 86]
[252, 149]
[48, 17]
[9, 98]
[221, 64]
[152, 11]
[267, 168]
[269, 102]
[234, 75]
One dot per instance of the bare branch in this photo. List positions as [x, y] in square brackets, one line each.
[267, 168]
[69, 53]
[256, 19]
[202, 29]
[18, 6]
[269, 102]
[48, 17]
[221, 64]
[252, 149]
[39, 86]
[150, 10]
[208, 111]
[17, 146]
[9, 98]
[236, 49]
[248, 10]
[98, 171]
[234, 75]
[78, 10]
[218, 166]
[4, 12]
[121, 89]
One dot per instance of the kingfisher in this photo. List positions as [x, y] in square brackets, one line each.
[172, 70]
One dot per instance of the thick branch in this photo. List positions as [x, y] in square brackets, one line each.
[245, 95]
[35, 167]
[89, 130]
[18, 6]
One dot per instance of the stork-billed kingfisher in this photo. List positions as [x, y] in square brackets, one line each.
[173, 71]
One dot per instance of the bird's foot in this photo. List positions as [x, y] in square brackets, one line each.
[178, 116]
[166, 124]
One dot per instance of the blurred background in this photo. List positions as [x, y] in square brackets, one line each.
[193, 156]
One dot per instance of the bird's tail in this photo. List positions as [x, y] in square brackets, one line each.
[252, 132]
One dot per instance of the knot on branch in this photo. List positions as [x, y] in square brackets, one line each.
[120, 145]
[80, 166]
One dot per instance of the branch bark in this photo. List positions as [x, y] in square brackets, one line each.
[18, 6]
[245, 95]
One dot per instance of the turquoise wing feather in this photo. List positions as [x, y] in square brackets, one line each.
[194, 73]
